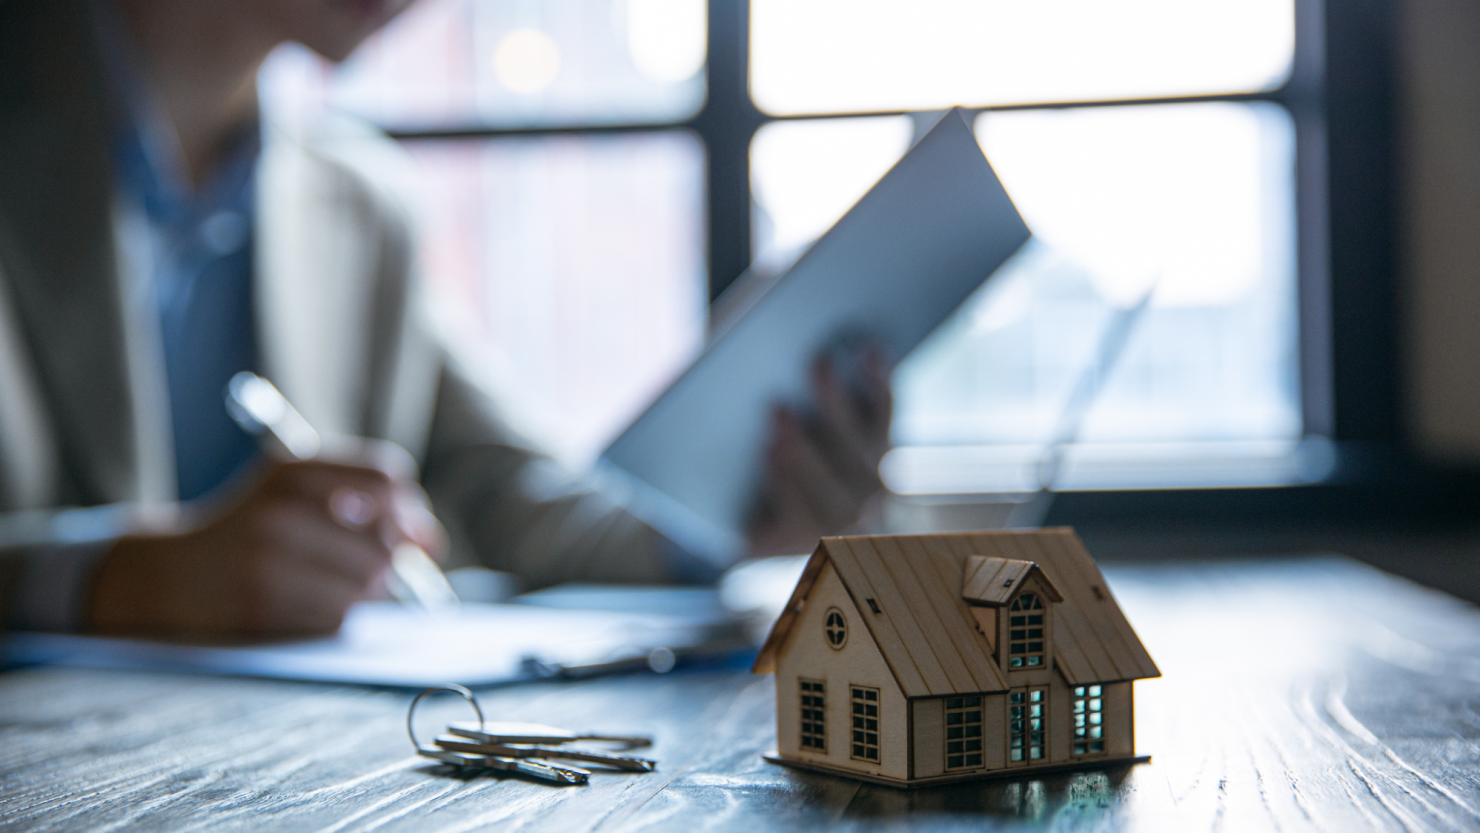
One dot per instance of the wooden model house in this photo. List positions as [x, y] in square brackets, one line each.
[923, 659]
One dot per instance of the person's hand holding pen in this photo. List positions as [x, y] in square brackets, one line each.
[305, 541]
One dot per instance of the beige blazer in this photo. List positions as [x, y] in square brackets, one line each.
[83, 414]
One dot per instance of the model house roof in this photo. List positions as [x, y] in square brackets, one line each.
[989, 580]
[909, 590]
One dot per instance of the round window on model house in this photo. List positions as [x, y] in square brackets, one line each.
[835, 628]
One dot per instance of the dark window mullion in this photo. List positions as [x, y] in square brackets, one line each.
[726, 125]
[703, 122]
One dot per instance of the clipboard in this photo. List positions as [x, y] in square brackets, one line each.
[390, 644]
[908, 253]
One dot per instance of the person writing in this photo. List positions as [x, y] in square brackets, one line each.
[158, 234]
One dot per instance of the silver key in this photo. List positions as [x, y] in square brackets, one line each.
[563, 753]
[532, 768]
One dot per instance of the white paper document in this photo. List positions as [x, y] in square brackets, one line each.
[384, 643]
[927, 235]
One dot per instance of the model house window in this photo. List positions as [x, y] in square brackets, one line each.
[835, 627]
[1026, 726]
[963, 732]
[1025, 636]
[814, 720]
[1088, 732]
[865, 724]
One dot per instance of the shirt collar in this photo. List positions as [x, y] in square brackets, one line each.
[149, 163]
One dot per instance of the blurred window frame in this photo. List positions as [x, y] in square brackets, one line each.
[1341, 96]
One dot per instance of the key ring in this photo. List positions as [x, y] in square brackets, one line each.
[455, 689]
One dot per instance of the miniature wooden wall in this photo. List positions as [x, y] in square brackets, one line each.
[806, 655]
[994, 731]
[930, 736]
[1060, 719]
[986, 625]
[1120, 735]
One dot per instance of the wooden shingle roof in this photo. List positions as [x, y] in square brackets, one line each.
[925, 630]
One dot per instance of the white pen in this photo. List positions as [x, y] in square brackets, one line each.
[260, 409]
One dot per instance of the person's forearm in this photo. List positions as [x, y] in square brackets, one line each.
[48, 559]
[51, 585]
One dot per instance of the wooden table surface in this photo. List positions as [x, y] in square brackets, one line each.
[1298, 694]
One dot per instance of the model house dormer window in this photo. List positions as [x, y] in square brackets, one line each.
[1012, 602]
[1025, 629]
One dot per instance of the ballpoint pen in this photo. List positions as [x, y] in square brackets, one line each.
[260, 409]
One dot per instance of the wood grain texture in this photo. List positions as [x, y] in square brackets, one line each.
[865, 575]
[957, 620]
[948, 631]
[916, 673]
[1298, 695]
[1097, 600]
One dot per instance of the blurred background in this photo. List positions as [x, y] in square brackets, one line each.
[1293, 184]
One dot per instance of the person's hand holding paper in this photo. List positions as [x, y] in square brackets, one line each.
[822, 469]
[902, 259]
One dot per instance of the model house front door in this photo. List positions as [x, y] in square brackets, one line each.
[1027, 725]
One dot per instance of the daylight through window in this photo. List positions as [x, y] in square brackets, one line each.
[1027, 729]
[1089, 730]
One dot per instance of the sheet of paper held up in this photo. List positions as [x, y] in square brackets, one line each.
[384, 643]
[936, 226]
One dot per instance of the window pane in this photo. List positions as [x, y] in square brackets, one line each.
[506, 62]
[569, 269]
[807, 174]
[828, 56]
[1194, 199]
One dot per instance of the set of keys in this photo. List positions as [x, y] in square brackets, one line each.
[529, 749]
